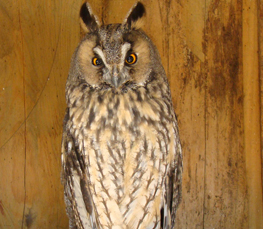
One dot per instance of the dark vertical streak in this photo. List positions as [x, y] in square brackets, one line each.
[205, 114]
[24, 90]
[166, 27]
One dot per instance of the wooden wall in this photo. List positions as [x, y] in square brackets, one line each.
[209, 50]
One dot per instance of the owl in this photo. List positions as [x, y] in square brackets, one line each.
[121, 153]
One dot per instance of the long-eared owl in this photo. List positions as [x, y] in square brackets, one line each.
[121, 153]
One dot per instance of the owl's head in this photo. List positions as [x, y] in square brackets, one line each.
[117, 56]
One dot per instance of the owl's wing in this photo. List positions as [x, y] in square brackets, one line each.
[76, 192]
[173, 186]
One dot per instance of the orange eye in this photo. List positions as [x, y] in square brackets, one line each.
[131, 59]
[96, 61]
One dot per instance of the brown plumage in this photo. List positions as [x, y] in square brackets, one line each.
[121, 154]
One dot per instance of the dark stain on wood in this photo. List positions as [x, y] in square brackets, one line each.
[30, 218]
[224, 115]
[224, 40]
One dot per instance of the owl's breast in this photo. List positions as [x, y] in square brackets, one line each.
[125, 143]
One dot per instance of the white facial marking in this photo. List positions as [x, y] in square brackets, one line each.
[99, 51]
[124, 49]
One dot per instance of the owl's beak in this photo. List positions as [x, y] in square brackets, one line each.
[115, 79]
[115, 82]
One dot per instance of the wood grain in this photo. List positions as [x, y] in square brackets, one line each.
[261, 76]
[211, 67]
[47, 34]
[12, 115]
[251, 88]
[225, 175]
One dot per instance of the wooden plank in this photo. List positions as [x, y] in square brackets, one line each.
[12, 116]
[187, 81]
[225, 174]
[51, 32]
[261, 76]
[252, 112]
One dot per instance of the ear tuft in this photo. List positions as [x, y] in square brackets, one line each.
[135, 18]
[88, 20]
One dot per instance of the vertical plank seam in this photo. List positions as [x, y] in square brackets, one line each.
[205, 111]
[25, 122]
[259, 89]
[260, 46]
[240, 158]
